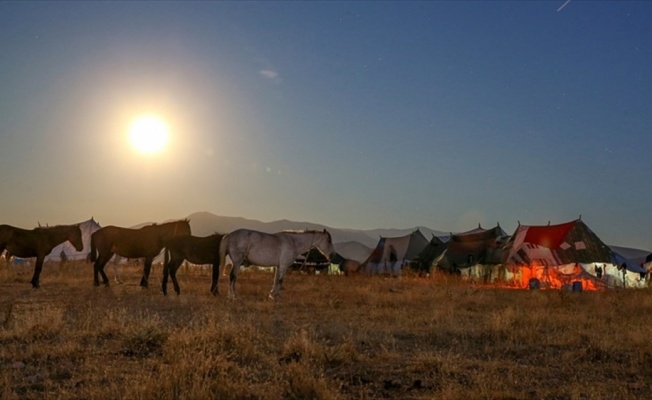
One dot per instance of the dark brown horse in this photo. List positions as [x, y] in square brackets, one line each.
[38, 243]
[146, 242]
[197, 250]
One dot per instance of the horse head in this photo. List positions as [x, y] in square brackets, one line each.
[75, 237]
[324, 243]
[184, 227]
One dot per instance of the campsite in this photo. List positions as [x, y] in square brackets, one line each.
[329, 337]
[475, 314]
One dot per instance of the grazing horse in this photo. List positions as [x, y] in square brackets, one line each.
[38, 243]
[197, 250]
[270, 250]
[146, 242]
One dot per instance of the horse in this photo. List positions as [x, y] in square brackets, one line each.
[268, 250]
[197, 250]
[38, 243]
[146, 242]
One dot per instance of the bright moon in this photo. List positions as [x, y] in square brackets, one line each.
[148, 134]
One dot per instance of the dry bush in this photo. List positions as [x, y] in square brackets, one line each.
[328, 337]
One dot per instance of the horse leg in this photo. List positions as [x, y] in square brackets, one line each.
[279, 275]
[116, 272]
[148, 267]
[174, 267]
[37, 271]
[96, 273]
[173, 275]
[164, 281]
[215, 278]
[233, 277]
[99, 268]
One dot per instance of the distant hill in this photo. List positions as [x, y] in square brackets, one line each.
[355, 244]
[206, 223]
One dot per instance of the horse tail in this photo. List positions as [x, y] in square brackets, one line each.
[93, 254]
[224, 247]
[166, 258]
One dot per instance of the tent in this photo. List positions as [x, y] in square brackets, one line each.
[563, 247]
[353, 250]
[392, 253]
[437, 245]
[87, 229]
[647, 264]
[312, 260]
[475, 247]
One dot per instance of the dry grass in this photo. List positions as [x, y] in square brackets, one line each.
[330, 337]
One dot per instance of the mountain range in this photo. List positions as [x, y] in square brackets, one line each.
[355, 244]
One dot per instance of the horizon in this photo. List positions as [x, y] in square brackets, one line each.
[355, 115]
[409, 228]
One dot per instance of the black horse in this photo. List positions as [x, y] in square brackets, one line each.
[38, 243]
[146, 242]
[197, 250]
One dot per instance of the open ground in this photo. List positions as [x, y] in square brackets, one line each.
[329, 337]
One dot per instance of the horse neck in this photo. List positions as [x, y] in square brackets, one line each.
[175, 229]
[303, 242]
[57, 234]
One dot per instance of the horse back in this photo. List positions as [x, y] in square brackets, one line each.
[258, 248]
[127, 242]
[28, 242]
[198, 250]
[6, 232]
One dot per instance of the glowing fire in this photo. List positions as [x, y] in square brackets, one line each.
[553, 278]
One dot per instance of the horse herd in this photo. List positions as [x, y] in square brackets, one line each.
[241, 246]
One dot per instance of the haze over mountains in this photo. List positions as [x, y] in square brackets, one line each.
[351, 243]
[206, 223]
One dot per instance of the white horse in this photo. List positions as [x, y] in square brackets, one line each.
[270, 250]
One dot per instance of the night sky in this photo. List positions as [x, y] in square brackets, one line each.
[350, 114]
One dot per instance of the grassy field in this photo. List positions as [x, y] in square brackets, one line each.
[329, 337]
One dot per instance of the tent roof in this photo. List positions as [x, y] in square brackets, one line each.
[432, 250]
[405, 247]
[477, 246]
[618, 259]
[570, 242]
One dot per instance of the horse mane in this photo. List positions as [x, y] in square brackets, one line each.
[299, 231]
[302, 231]
[169, 222]
[43, 228]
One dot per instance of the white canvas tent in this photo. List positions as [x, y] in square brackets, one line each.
[87, 229]
[391, 254]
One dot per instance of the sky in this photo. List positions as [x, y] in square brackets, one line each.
[354, 115]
